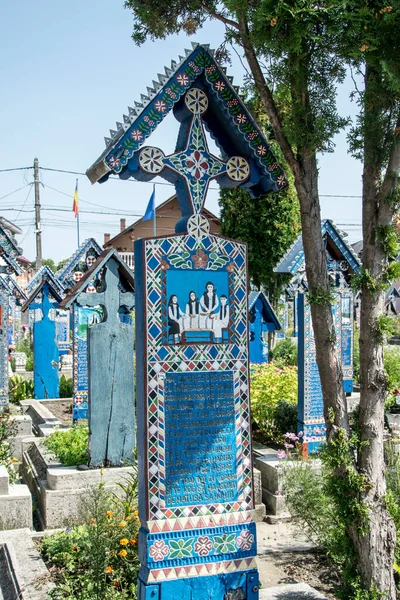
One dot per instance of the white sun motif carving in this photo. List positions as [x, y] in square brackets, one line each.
[238, 168]
[196, 101]
[198, 227]
[151, 160]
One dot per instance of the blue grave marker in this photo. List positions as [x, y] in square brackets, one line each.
[4, 301]
[262, 319]
[82, 317]
[45, 347]
[108, 373]
[197, 539]
[341, 263]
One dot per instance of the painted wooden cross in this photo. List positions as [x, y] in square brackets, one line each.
[110, 366]
[45, 347]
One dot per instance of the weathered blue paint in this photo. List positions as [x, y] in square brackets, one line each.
[109, 372]
[262, 319]
[4, 301]
[45, 349]
[230, 586]
[63, 331]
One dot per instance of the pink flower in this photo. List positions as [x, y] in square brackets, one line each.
[203, 546]
[200, 259]
[281, 454]
[245, 540]
[300, 434]
[288, 445]
[159, 550]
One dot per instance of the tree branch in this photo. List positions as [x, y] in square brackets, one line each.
[219, 17]
[267, 99]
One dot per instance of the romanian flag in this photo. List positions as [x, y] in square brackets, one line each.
[75, 206]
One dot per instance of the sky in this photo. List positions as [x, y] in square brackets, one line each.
[68, 73]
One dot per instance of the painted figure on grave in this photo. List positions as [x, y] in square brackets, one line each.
[174, 318]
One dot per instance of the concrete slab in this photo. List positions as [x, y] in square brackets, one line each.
[295, 591]
[281, 537]
[24, 575]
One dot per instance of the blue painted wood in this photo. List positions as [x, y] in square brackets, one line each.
[229, 586]
[110, 368]
[45, 350]
[258, 346]
[3, 350]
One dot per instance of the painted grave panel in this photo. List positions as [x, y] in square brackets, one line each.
[83, 317]
[62, 318]
[45, 347]
[193, 415]
[347, 348]
[310, 398]
[3, 350]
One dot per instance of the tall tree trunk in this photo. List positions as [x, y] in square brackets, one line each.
[305, 171]
[375, 550]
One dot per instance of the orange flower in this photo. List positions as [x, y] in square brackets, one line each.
[74, 548]
[364, 47]
[109, 513]
[132, 542]
[122, 524]
[116, 583]
[136, 512]
[122, 553]
[93, 520]
[273, 21]
[124, 542]
[108, 570]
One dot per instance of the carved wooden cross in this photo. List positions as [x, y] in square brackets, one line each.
[110, 369]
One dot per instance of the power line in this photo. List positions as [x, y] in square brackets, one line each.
[26, 198]
[16, 169]
[15, 191]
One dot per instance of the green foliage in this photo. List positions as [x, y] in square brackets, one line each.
[391, 357]
[65, 387]
[70, 446]
[268, 228]
[272, 390]
[19, 388]
[320, 296]
[284, 353]
[8, 430]
[356, 355]
[100, 558]
[387, 237]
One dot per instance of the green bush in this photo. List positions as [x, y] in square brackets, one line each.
[8, 429]
[70, 446]
[284, 353]
[392, 367]
[273, 390]
[65, 387]
[19, 388]
[27, 347]
[98, 559]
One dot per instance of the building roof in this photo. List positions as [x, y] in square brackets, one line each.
[94, 270]
[233, 127]
[268, 313]
[293, 260]
[45, 274]
[114, 241]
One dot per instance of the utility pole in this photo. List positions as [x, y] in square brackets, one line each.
[38, 230]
